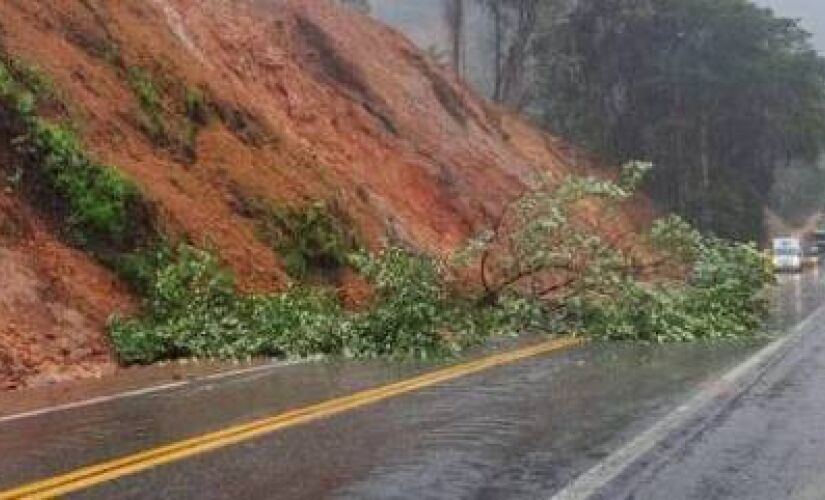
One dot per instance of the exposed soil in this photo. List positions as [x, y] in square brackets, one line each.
[54, 304]
[307, 101]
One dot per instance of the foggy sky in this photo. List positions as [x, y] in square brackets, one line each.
[811, 12]
[422, 21]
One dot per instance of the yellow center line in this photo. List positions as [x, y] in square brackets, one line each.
[87, 477]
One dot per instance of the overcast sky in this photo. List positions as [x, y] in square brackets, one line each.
[421, 18]
[811, 12]
[418, 18]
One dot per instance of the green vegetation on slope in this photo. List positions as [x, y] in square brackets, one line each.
[148, 95]
[100, 202]
[193, 308]
[313, 240]
[174, 125]
[100, 210]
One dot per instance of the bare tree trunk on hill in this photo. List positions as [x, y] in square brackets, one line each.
[455, 17]
[515, 25]
[498, 43]
[515, 68]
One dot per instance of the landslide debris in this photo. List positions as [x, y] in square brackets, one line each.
[204, 105]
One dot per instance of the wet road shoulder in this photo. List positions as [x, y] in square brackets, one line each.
[641, 458]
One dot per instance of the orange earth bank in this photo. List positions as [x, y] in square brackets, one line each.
[315, 102]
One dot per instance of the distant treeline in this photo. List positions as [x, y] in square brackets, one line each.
[721, 95]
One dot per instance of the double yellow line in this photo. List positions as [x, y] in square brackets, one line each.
[87, 477]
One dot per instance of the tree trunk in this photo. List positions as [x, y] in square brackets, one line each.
[704, 163]
[497, 49]
[454, 13]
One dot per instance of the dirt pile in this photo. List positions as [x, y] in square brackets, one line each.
[54, 304]
[208, 104]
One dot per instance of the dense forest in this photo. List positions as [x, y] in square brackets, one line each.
[724, 97]
[719, 94]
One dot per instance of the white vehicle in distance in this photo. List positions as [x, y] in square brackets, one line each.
[812, 256]
[787, 255]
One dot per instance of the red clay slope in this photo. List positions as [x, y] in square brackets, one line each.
[317, 103]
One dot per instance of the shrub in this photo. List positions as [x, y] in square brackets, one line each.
[192, 308]
[189, 300]
[100, 202]
[138, 268]
[537, 253]
[197, 111]
[174, 126]
[19, 96]
[100, 209]
[196, 106]
[151, 103]
[416, 314]
[299, 322]
[32, 77]
[313, 240]
[145, 89]
[676, 238]
[410, 314]
[22, 83]
[722, 299]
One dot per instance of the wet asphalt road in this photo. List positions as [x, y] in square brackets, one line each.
[768, 443]
[519, 431]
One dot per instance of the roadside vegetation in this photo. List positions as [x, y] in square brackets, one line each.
[539, 267]
[721, 297]
[554, 275]
[194, 309]
[694, 287]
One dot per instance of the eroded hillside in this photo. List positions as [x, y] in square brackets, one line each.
[214, 106]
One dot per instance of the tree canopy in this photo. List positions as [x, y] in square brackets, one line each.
[719, 94]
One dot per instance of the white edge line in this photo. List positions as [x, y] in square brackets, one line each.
[91, 401]
[149, 390]
[599, 476]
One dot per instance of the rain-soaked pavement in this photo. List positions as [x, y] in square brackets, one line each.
[517, 431]
[768, 443]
